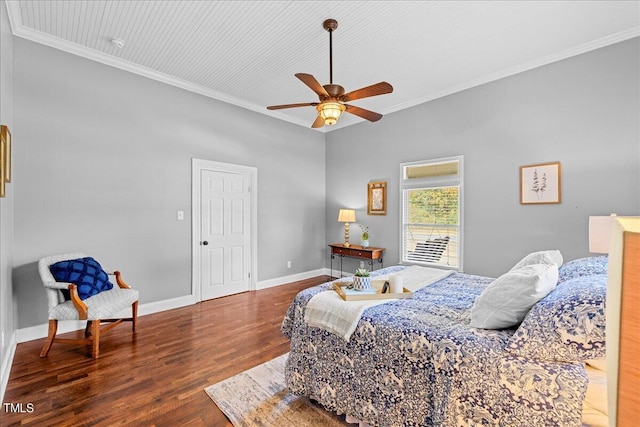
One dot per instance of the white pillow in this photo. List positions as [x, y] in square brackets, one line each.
[507, 300]
[541, 257]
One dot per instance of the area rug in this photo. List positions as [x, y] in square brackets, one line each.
[259, 397]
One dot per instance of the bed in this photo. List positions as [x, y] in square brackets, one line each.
[418, 362]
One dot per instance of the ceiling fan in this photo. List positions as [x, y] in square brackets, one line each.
[332, 97]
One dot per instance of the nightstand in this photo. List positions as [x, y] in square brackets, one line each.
[370, 254]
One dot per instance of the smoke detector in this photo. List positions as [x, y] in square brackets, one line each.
[119, 43]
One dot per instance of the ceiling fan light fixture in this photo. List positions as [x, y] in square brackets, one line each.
[330, 112]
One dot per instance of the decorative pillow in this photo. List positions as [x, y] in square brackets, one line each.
[86, 273]
[506, 301]
[584, 267]
[567, 325]
[541, 257]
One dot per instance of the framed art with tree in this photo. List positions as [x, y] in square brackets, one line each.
[540, 184]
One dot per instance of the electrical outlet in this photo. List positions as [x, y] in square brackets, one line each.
[180, 215]
[361, 264]
[288, 264]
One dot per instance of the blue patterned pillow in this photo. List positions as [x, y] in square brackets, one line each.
[583, 267]
[86, 273]
[566, 325]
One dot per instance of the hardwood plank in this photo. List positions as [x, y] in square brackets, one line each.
[156, 377]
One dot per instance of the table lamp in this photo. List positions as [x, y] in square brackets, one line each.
[600, 233]
[346, 216]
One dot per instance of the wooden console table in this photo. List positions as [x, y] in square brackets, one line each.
[370, 254]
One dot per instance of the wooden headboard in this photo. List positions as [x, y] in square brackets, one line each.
[623, 322]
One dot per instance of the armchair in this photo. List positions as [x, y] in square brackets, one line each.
[65, 303]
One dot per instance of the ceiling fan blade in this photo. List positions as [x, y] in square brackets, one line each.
[365, 92]
[318, 123]
[311, 81]
[280, 107]
[365, 114]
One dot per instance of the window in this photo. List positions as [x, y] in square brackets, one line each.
[432, 212]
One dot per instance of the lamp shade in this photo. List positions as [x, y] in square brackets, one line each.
[347, 215]
[330, 112]
[600, 233]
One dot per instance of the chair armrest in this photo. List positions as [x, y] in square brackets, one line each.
[77, 302]
[119, 280]
[57, 285]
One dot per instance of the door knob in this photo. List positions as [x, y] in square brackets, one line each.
[205, 243]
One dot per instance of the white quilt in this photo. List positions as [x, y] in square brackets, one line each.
[328, 311]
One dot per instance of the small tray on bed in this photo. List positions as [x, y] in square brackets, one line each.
[375, 293]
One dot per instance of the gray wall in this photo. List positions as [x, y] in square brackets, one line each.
[583, 112]
[7, 317]
[103, 163]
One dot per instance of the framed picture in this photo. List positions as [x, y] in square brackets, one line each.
[540, 184]
[377, 198]
[6, 136]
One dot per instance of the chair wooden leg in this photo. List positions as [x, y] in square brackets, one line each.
[87, 329]
[134, 316]
[95, 332]
[53, 328]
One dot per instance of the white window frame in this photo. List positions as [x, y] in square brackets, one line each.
[434, 182]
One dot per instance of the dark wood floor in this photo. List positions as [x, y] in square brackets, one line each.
[156, 377]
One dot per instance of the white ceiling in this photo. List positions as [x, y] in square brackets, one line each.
[247, 52]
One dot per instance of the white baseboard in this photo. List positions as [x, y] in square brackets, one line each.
[168, 304]
[7, 361]
[41, 331]
[263, 284]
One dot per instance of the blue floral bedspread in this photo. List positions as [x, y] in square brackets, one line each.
[417, 362]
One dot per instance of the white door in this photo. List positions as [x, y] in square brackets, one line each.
[225, 252]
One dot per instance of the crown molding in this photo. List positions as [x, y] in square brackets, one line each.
[526, 66]
[20, 30]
